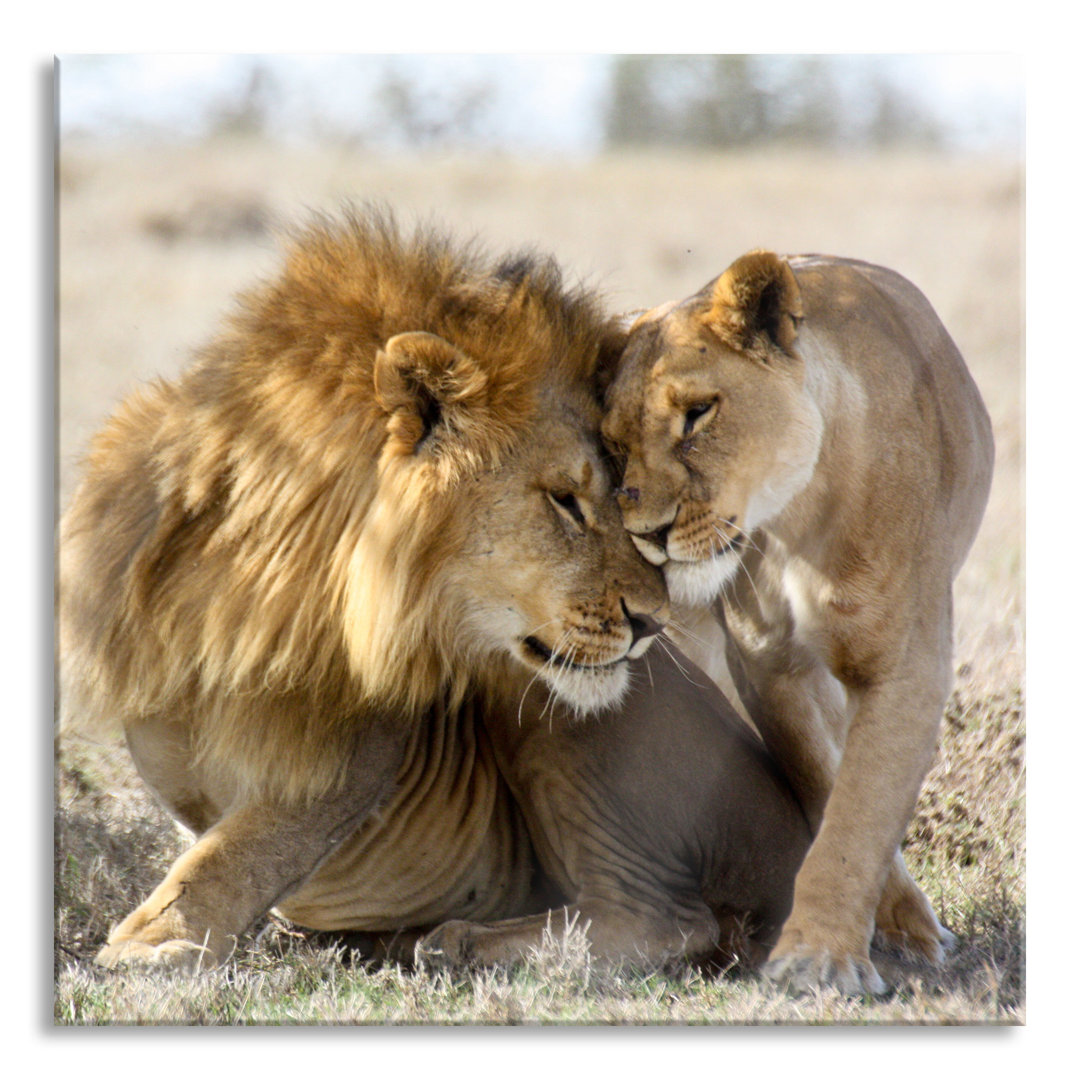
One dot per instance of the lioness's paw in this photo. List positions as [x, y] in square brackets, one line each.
[907, 924]
[803, 970]
[183, 957]
[924, 943]
[447, 946]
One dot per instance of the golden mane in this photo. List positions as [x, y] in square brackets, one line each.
[246, 551]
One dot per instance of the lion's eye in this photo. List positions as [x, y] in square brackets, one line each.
[695, 415]
[566, 503]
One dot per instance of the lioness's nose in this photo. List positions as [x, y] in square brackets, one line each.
[656, 536]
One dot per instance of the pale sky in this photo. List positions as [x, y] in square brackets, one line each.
[546, 102]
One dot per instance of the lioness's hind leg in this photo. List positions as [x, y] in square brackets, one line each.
[906, 920]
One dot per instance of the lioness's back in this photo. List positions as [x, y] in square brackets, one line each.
[879, 322]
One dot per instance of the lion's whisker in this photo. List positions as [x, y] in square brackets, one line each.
[728, 540]
[669, 649]
[753, 585]
[559, 663]
[686, 632]
[539, 672]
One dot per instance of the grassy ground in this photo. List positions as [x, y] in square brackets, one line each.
[153, 242]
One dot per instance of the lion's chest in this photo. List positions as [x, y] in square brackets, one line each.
[450, 844]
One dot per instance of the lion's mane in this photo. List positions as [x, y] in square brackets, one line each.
[247, 552]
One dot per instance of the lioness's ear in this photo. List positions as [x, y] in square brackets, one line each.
[424, 383]
[754, 303]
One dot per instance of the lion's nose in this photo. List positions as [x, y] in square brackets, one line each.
[641, 625]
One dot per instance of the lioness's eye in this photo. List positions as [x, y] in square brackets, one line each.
[566, 503]
[696, 413]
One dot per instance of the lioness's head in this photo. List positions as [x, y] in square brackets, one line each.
[493, 543]
[709, 412]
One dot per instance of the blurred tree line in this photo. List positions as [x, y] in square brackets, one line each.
[683, 100]
[747, 100]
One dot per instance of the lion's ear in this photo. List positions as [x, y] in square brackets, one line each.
[612, 342]
[755, 303]
[424, 383]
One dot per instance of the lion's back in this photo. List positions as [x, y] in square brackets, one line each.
[114, 509]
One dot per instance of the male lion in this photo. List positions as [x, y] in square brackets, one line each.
[805, 450]
[315, 579]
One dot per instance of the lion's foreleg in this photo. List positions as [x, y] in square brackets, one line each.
[252, 858]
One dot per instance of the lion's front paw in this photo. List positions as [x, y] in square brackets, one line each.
[162, 935]
[447, 946]
[183, 957]
[803, 968]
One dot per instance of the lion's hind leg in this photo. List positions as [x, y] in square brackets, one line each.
[614, 934]
[164, 933]
[254, 857]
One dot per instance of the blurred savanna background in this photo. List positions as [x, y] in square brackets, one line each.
[645, 175]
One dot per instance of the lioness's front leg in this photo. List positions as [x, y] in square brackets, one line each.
[876, 744]
[905, 918]
[256, 855]
[840, 887]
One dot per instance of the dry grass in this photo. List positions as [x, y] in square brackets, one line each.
[152, 244]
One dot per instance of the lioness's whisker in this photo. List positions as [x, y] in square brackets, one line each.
[753, 584]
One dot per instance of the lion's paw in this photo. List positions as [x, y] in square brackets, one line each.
[182, 957]
[803, 970]
[447, 946]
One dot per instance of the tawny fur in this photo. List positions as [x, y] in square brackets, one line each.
[808, 457]
[246, 553]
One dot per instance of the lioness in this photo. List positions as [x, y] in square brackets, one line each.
[314, 579]
[806, 452]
